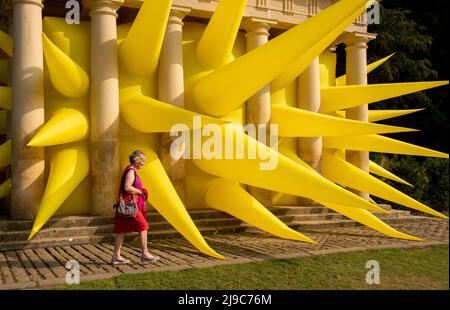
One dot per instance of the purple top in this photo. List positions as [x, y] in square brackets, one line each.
[138, 184]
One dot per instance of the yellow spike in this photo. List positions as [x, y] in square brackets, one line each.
[227, 196]
[368, 219]
[66, 125]
[381, 144]
[290, 154]
[140, 51]
[66, 76]
[292, 71]
[380, 115]
[146, 114]
[359, 215]
[286, 176]
[164, 197]
[378, 170]
[5, 154]
[344, 97]
[3, 71]
[215, 46]
[346, 174]
[342, 80]
[6, 43]
[5, 188]
[293, 122]
[68, 168]
[327, 69]
[229, 86]
[371, 200]
[5, 97]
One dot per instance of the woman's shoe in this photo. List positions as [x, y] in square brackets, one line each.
[119, 261]
[145, 259]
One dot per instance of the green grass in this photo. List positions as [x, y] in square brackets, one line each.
[418, 268]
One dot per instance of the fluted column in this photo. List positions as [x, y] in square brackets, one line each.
[171, 90]
[356, 71]
[310, 149]
[258, 106]
[27, 113]
[104, 115]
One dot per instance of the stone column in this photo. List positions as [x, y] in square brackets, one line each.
[258, 106]
[310, 149]
[171, 90]
[27, 113]
[105, 166]
[356, 71]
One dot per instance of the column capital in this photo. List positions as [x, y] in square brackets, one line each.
[357, 39]
[39, 3]
[103, 7]
[177, 13]
[257, 25]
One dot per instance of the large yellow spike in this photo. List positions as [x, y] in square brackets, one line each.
[378, 170]
[215, 46]
[66, 125]
[66, 75]
[342, 80]
[3, 71]
[344, 97]
[164, 198]
[380, 115]
[228, 87]
[346, 174]
[291, 72]
[67, 169]
[140, 51]
[6, 43]
[5, 154]
[286, 176]
[229, 197]
[293, 122]
[146, 114]
[359, 215]
[5, 97]
[377, 143]
[5, 188]
[368, 219]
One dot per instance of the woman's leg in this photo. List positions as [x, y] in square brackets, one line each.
[143, 238]
[118, 244]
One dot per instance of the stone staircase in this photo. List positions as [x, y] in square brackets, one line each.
[70, 230]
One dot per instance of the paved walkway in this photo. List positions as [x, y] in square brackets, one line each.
[46, 267]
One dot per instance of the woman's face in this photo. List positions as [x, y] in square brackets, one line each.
[140, 162]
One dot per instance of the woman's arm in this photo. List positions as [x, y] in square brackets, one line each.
[128, 185]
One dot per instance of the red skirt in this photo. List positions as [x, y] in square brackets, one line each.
[128, 224]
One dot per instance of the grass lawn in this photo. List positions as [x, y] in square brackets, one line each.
[419, 268]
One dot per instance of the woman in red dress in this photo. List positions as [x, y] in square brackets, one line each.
[131, 185]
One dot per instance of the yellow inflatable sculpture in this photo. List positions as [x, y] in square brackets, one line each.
[219, 76]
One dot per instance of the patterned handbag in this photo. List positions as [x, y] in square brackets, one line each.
[126, 208]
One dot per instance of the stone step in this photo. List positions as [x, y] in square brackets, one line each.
[81, 221]
[87, 221]
[64, 236]
[70, 230]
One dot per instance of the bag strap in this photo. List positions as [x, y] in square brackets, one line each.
[122, 181]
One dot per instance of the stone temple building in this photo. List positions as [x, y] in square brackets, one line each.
[75, 179]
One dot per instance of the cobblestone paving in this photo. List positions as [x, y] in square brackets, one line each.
[34, 268]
